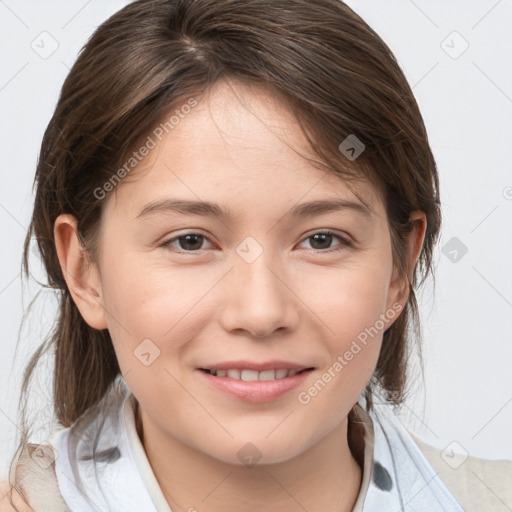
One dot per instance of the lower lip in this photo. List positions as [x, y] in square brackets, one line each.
[256, 391]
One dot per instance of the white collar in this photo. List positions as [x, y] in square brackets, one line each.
[396, 475]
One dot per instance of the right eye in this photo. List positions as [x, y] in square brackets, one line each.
[188, 242]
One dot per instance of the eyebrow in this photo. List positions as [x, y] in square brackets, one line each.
[207, 208]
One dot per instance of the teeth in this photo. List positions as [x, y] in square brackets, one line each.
[252, 375]
[249, 375]
[281, 373]
[267, 375]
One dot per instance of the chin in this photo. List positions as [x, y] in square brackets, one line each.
[259, 452]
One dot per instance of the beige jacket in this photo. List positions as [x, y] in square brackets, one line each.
[480, 485]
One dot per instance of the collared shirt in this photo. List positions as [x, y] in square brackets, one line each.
[101, 466]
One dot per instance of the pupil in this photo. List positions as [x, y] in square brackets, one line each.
[324, 237]
[187, 239]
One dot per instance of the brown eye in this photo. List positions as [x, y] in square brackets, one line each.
[322, 241]
[190, 242]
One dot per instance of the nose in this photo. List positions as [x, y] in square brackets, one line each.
[258, 300]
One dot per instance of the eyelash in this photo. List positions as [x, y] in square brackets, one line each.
[345, 242]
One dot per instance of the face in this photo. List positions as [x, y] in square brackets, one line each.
[268, 284]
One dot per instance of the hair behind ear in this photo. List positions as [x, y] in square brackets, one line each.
[80, 346]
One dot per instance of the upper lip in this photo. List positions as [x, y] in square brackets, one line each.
[259, 367]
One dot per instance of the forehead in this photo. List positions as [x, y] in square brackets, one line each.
[238, 141]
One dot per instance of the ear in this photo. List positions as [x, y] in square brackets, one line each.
[81, 275]
[399, 287]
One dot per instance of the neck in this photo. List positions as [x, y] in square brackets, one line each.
[325, 477]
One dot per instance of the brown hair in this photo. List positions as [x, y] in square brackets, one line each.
[334, 72]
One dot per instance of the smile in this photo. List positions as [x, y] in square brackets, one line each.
[255, 386]
[252, 375]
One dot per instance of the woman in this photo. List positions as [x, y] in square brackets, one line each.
[241, 370]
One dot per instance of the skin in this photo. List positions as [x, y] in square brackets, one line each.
[295, 302]
[11, 500]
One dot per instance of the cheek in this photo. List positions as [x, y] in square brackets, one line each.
[348, 299]
[151, 303]
[351, 311]
[351, 304]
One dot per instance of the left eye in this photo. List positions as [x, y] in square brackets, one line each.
[192, 242]
[325, 238]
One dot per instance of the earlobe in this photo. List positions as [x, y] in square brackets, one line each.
[81, 275]
[413, 249]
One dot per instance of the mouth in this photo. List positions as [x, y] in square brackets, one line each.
[254, 375]
[255, 382]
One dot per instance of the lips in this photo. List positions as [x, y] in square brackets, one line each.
[255, 382]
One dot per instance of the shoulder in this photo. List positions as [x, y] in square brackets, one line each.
[478, 484]
[34, 468]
